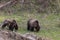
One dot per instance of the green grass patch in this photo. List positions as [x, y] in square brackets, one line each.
[49, 24]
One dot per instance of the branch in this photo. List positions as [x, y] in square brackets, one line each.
[8, 4]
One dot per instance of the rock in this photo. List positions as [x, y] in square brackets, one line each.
[9, 35]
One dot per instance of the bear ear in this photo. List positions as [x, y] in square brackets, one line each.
[14, 21]
[37, 22]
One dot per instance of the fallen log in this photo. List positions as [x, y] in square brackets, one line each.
[9, 35]
[12, 2]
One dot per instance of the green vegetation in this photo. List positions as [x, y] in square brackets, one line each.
[38, 6]
[50, 24]
[47, 12]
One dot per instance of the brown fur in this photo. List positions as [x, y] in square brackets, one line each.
[33, 25]
[11, 24]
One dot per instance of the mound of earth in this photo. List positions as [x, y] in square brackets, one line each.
[9, 35]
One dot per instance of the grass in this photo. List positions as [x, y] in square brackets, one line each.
[50, 24]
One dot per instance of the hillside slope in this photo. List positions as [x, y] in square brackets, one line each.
[39, 6]
[8, 35]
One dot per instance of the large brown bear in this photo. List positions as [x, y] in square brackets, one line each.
[33, 25]
[11, 24]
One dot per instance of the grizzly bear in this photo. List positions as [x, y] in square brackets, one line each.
[11, 24]
[33, 25]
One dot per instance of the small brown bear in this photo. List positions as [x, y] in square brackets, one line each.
[11, 24]
[33, 25]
